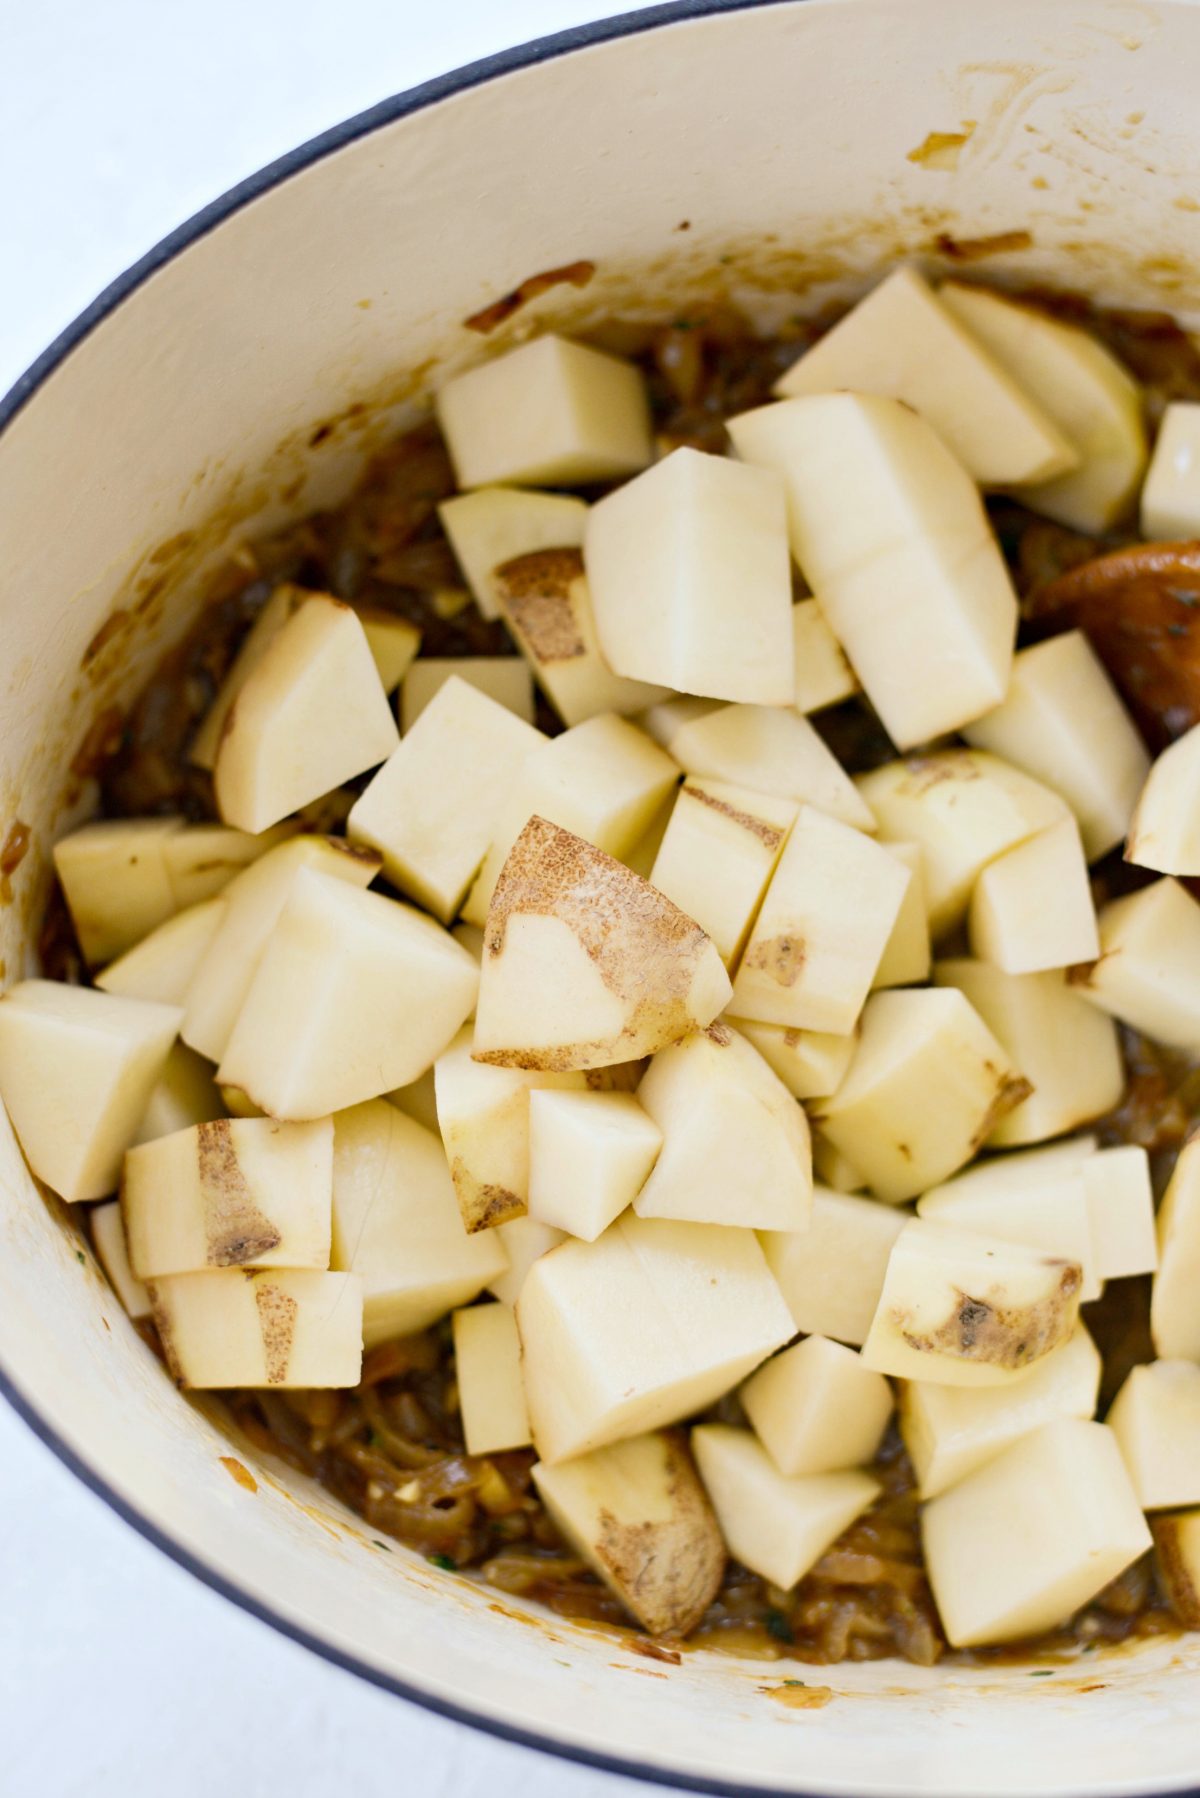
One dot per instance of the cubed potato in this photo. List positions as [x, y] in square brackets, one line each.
[1177, 1543]
[108, 1240]
[185, 1093]
[393, 642]
[823, 675]
[1170, 507]
[114, 878]
[585, 964]
[1063, 722]
[907, 956]
[777, 1526]
[644, 853]
[605, 780]
[831, 1167]
[827, 917]
[816, 1409]
[525, 1241]
[546, 602]
[949, 1431]
[832, 1273]
[487, 1371]
[354, 995]
[735, 1142]
[417, 1100]
[1156, 1420]
[242, 1193]
[691, 579]
[311, 715]
[1081, 387]
[589, 1155]
[1121, 1210]
[719, 851]
[902, 342]
[281, 1327]
[1019, 1545]
[962, 1309]
[652, 1321]
[551, 413]
[926, 1088]
[496, 524]
[505, 679]
[253, 902]
[964, 809]
[281, 605]
[163, 965]
[811, 1063]
[1031, 909]
[483, 1118]
[638, 1515]
[664, 721]
[1068, 1051]
[430, 809]
[1148, 971]
[1165, 833]
[892, 537]
[1174, 1313]
[1023, 1198]
[769, 749]
[396, 1224]
[77, 1069]
[202, 859]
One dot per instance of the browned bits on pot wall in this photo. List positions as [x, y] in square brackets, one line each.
[571, 274]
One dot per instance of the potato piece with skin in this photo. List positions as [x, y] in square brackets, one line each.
[184, 1094]
[811, 1063]
[487, 1372]
[825, 921]
[589, 1156]
[777, 1526]
[506, 679]
[550, 413]
[163, 965]
[962, 1309]
[899, 340]
[1148, 971]
[926, 1088]
[769, 749]
[355, 994]
[823, 675]
[396, 1224]
[546, 602]
[1063, 722]
[649, 1323]
[242, 1193]
[430, 809]
[717, 855]
[831, 1274]
[1121, 1209]
[495, 524]
[1177, 1544]
[77, 1068]
[816, 1409]
[281, 1327]
[1019, 1545]
[949, 1431]
[584, 964]
[907, 956]
[735, 1143]
[114, 878]
[691, 579]
[1174, 1313]
[1010, 1197]
[1164, 834]
[1068, 1051]
[639, 1517]
[108, 1240]
[892, 537]
[1156, 1420]
[525, 1241]
[1031, 909]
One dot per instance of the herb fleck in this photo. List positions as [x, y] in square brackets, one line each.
[81, 1257]
[445, 1562]
[376, 1543]
[779, 1627]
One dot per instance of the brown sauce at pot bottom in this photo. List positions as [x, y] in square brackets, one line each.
[392, 1449]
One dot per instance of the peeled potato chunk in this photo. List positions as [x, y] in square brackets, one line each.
[589, 1155]
[495, 524]
[811, 1063]
[717, 854]
[1174, 1313]
[926, 1087]
[77, 1069]
[907, 956]
[639, 1517]
[525, 1240]
[1165, 832]
[162, 966]
[392, 641]
[1148, 971]
[506, 679]
[823, 675]
[1032, 909]
[108, 1239]
[652, 1321]
[816, 1409]
[586, 964]
[665, 720]
[1020, 1544]
[281, 1327]
[483, 1118]
[114, 878]
[949, 1431]
[396, 1223]
[1121, 1209]
[550, 414]
[1156, 1419]
[832, 1273]
[1177, 1541]
[834, 1169]
[691, 579]
[825, 921]
[735, 1142]
[768, 749]
[962, 1309]
[777, 1526]
[202, 859]
[487, 1372]
[430, 809]
[1042, 1202]
[184, 1094]
[901, 341]
[892, 537]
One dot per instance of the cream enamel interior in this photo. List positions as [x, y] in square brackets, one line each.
[783, 135]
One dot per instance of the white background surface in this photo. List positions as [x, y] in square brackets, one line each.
[120, 1676]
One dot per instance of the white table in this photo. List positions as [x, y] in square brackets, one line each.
[120, 1676]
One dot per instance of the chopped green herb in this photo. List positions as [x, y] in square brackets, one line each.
[81, 1257]
[683, 324]
[1042, 1673]
[795, 1682]
[1178, 630]
[779, 1627]
[386, 1546]
[446, 1564]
